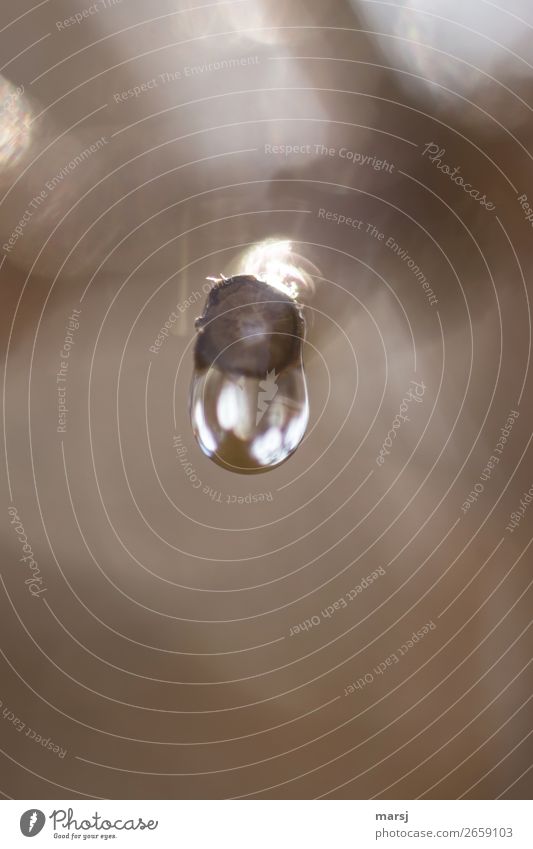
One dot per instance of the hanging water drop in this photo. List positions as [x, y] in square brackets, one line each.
[248, 403]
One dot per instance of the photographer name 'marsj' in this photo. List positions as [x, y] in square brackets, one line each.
[64, 819]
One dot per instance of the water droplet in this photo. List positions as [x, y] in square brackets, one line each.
[248, 406]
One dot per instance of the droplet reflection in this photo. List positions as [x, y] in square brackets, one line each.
[249, 407]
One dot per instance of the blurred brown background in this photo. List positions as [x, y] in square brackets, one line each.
[152, 641]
